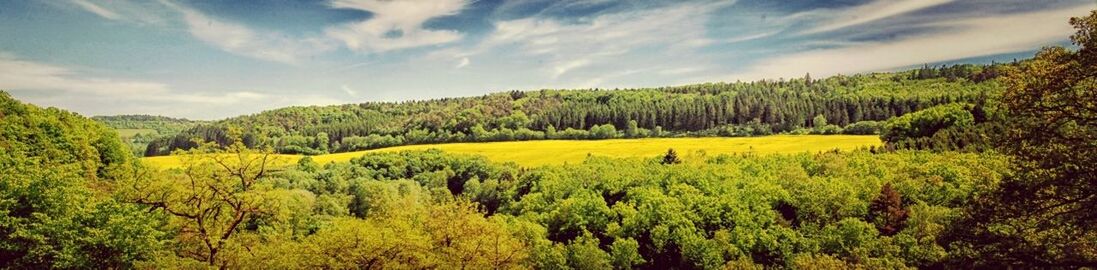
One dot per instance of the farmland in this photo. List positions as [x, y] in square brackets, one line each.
[554, 152]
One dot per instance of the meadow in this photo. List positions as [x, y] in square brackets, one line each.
[126, 133]
[555, 152]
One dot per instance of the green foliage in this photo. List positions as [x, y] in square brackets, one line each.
[863, 128]
[927, 122]
[146, 129]
[819, 121]
[228, 207]
[712, 109]
[56, 209]
[1043, 216]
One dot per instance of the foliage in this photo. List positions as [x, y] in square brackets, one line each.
[927, 122]
[1043, 216]
[209, 198]
[712, 212]
[57, 211]
[712, 109]
[887, 211]
[141, 130]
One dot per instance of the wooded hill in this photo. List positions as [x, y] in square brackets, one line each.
[711, 109]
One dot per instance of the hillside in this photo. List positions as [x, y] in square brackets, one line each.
[58, 170]
[139, 130]
[714, 109]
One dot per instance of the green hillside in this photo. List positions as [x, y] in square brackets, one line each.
[714, 109]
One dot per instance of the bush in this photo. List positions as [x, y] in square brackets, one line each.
[926, 122]
[863, 128]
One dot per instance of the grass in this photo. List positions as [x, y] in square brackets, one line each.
[549, 152]
[130, 132]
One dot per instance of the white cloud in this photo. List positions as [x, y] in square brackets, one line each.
[96, 9]
[350, 92]
[140, 12]
[602, 44]
[877, 10]
[241, 40]
[462, 63]
[565, 66]
[22, 74]
[52, 85]
[395, 24]
[964, 38]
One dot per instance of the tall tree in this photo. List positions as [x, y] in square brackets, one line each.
[1043, 216]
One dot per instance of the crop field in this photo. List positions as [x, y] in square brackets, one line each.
[548, 152]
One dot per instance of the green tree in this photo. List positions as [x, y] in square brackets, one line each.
[56, 210]
[819, 121]
[1043, 215]
[211, 197]
[633, 129]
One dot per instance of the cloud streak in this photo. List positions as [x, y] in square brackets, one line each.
[241, 40]
[871, 12]
[96, 9]
[603, 45]
[959, 39]
[53, 85]
[395, 24]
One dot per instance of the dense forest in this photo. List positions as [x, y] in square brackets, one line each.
[985, 168]
[841, 104]
[140, 130]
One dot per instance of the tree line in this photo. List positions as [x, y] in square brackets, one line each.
[713, 109]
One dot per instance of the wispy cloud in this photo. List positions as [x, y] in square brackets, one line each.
[605, 43]
[96, 9]
[241, 40]
[959, 39]
[53, 85]
[130, 11]
[350, 92]
[395, 24]
[874, 11]
[462, 63]
[23, 74]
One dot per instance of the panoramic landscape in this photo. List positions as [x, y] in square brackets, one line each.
[528, 134]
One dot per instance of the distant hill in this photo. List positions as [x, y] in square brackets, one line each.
[710, 109]
[139, 130]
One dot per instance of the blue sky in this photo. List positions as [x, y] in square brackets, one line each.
[216, 59]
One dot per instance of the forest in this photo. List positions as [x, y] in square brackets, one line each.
[856, 104]
[984, 166]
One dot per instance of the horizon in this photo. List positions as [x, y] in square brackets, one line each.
[209, 60]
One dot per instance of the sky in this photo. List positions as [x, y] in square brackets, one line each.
[217, 59]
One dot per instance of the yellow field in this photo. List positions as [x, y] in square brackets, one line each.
[537, 153]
